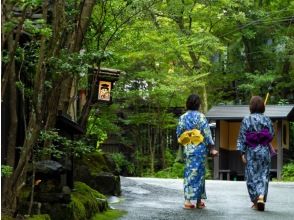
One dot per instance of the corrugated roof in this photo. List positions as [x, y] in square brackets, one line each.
[237, 112]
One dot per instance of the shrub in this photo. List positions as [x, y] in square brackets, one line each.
[176, 171]
[122, 165]
[6, 171]
[288, 172]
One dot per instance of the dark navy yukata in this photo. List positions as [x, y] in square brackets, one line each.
[258, 158]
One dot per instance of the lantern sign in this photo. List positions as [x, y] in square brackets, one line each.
[104, 90]
[106, 79]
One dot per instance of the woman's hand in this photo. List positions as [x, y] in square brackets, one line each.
[244, 159]
[213, 153]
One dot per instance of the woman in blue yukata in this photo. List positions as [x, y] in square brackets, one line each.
[194, 135]
[256, 133]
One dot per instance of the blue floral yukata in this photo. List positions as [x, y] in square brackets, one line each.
[258, 158]
[195, 155]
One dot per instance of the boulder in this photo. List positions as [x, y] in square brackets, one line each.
[97, 171]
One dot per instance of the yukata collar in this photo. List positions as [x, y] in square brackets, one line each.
[256, 113]
[192, 110]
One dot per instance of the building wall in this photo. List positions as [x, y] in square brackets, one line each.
[229, 132]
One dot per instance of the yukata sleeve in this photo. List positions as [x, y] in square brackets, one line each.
[180, 127]
[206, 131]
[241, 146]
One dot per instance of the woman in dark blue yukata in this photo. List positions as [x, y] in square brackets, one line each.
[194, 135]
[256, 133]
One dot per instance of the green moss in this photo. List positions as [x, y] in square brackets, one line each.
[85, 202]
[40, 217]
[109, 215]
[77, 208]
[25, 194]
[6, 217]
[95, 162]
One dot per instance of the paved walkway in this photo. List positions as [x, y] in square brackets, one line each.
[162, 199]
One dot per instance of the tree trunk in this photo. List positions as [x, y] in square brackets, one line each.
[87, 107]
[162, 148]
[13, 119]
[12, 49]
[58, 24]
[12, 133]
[75, 44]
[151, 144]
[17, 180]
[250, 67]
[204, 100]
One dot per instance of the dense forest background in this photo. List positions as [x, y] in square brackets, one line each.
[226, 51]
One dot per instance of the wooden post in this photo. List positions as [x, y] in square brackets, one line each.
[280, 150]
[217, 147]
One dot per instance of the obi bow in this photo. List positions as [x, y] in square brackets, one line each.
[192, 136]
[262, 137]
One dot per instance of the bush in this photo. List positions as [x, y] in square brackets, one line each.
[288, 172]
[122, 165]
[176, 171]
[169, 157]
[6, 171]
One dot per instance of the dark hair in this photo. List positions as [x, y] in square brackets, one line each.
[193, 102]
[256, 105]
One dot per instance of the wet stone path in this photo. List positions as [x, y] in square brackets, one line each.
[162, 199]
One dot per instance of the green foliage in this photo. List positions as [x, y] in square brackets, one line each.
[40, 217]
[176, 171]
[169, 157]
[283, 102]
[102, 121]
[37, 27]
[78, 64]
[141, 162]
[6, 217]
[122, 164]
[85, 202]
[288, 172]
[75, 147]
[208, 169]
[6, 170]
[31, 3]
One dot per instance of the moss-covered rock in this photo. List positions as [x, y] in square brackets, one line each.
[98, 171]
[86, 202]
[96, 162]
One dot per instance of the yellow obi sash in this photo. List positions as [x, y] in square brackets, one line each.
[192, 136]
